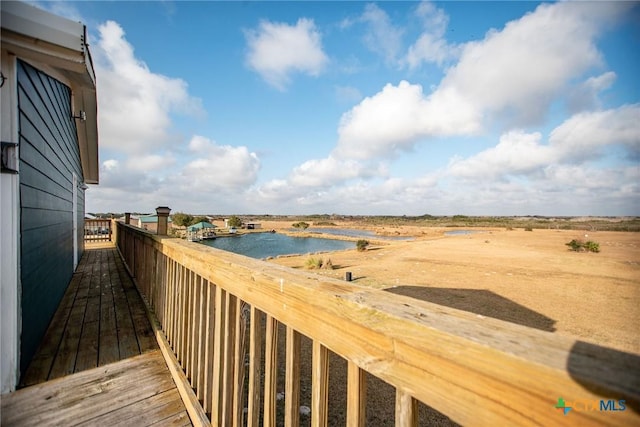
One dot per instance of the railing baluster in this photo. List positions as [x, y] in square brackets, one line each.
[178, 313]
[218, 348]
[162, 290]
[356, 396]
[184, 301]
[228, 389]
[320, 385]
[171, 303]
[239, 364]
[197, 333]
[270, 372]
[188, 323]
[292, 379]
[209, 332]
[255, 366]
[177, 322]
[406, 410]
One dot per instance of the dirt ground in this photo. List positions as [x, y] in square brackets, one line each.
[526, 277]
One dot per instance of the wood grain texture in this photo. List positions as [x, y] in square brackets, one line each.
[292, 379]
[101, 320]
[356, 396]
[136, 391]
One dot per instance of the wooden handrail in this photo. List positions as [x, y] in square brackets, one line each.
[97, 230]
[476, 370]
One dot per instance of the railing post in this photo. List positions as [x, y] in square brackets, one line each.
[113, 230]
[127, 217]
[163, 220]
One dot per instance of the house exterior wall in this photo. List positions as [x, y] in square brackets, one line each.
[49, 159]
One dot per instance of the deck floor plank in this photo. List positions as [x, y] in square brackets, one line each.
[100, 320]
[139, 388]
[99, 363]
[40, 366]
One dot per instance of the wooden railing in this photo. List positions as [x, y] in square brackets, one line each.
[222, 313]
[97, 230]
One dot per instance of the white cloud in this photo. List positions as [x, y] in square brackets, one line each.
[151, 162]
[220, 167]
[580, 138]
[396, 118]
[117, 178]
[586, 96]
[324, 173]
[518, 71]
[382, 37]
[431, 46]
[135, 104]
[276, 50]
[513, 74]
[516, 153]
[584, 135]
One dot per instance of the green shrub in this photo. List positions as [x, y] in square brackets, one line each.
[592, 246]
[303, 225]
[528, 229]
[578, 245]
[362, 244]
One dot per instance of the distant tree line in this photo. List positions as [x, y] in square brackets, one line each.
[182, 219]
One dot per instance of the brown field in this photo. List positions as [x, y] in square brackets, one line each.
[525, 277]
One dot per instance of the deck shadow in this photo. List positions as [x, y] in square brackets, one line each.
[589, 364]
[479, 301]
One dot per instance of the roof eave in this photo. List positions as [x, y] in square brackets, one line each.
[35, 35]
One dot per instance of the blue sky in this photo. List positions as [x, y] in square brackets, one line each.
[401, 108]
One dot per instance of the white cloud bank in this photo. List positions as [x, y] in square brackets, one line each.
[219, 167]
[146, 163]
[508, 80]
[276, 50]
[511, 77]
[135, 103]
[579, 139]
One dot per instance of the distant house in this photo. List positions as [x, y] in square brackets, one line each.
[49, 152]
[253, 225]
[147, 222]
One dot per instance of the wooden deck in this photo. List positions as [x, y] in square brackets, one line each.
[99, 362]
[100, 320]
[138, 391]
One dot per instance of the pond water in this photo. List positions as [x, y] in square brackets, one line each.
[264, 245]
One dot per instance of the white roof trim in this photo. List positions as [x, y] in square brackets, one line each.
[35, 35]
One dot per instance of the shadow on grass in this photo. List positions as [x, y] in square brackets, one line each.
[479, 301]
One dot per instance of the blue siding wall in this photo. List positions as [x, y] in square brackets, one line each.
[49, 156]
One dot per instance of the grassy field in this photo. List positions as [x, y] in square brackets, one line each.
[533, 222]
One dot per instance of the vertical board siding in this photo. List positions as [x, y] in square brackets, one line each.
[49, 156]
